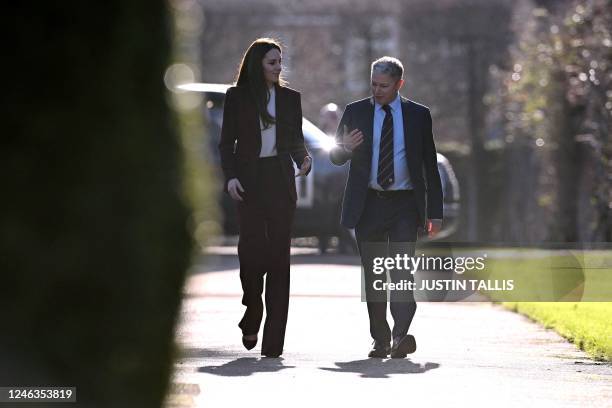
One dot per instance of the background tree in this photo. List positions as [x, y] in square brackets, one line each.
[557, 104]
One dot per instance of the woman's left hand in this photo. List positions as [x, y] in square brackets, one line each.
[305, 166]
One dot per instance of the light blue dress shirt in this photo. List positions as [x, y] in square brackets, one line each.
[400, 164]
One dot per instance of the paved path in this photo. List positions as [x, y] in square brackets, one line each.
[469, 354]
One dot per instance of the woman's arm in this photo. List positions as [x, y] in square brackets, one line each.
[229, 134]
[298, 149]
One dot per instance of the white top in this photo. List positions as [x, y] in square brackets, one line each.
[268, 136]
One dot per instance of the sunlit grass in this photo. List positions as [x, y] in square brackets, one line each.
[566, 278]
[586, 324]
[551, 276]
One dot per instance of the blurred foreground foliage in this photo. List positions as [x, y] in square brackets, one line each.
[96, 228]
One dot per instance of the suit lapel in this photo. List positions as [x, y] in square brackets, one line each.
[279, 107]
[410, 128]
[369, 126]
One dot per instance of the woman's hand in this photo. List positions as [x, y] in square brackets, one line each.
[234, 187]
[305, 166]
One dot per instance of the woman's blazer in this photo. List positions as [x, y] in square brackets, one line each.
[240, 143]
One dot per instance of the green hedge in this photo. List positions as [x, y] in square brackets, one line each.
[95, 236]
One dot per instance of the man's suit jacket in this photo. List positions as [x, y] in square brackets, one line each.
[420, 155]
[240, 143]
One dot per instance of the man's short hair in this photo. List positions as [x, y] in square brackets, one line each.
[388, 65]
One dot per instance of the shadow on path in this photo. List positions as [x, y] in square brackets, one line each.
[378, 368]
[189, 352]
[245, 366]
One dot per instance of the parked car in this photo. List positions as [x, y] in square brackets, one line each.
[320, 193]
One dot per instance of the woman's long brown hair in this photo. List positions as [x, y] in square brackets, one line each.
[250, 75]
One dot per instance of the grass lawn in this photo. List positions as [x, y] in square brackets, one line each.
[587, 324]
[569, 291]
[549, 287]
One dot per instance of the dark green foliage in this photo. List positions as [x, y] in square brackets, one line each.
[94, 236]
[557, 100]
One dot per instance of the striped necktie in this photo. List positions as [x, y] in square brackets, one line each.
[385, 157]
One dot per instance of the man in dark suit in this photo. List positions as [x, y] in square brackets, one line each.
[393, 189]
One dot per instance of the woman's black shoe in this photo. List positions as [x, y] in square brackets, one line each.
[379, 350]
[249, 344]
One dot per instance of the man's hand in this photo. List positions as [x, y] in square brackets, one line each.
[234, 187]
[433, 227]
[305, 166]
[351, 140]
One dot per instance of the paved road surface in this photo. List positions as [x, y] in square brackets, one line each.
[469, 354]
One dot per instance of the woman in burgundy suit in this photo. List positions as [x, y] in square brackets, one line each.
[260, 139]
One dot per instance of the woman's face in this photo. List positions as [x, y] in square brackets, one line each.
[272, 66]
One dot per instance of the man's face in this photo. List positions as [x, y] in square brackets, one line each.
[384, 88]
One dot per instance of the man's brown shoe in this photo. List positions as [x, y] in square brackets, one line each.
[379, 350]
[402, 346]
